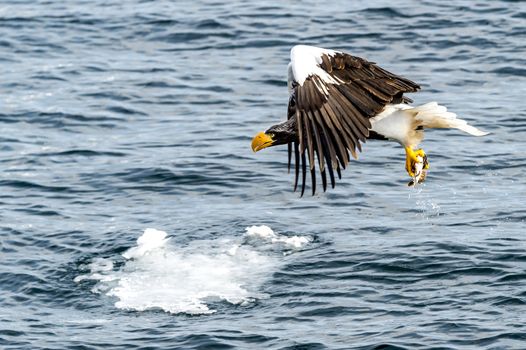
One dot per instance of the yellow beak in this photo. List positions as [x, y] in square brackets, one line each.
[261, 141]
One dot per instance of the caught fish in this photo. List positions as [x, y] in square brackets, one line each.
[420, 171]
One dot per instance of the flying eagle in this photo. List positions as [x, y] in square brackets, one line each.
[338, 101]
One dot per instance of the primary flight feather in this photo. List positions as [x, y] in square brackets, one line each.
[337, 101]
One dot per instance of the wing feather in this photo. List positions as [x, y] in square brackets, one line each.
[335, 127]
[329, 155]
[361, 125]
[308, 135]
[300, 129]
[296, 165]
[319, 150]
[289, 151]
[303, 172]
[333, 136]
[318, 146]
[351, 139]
[331, 160]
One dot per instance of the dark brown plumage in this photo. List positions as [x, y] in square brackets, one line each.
[332, 118]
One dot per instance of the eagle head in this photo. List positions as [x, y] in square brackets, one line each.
[279, 134]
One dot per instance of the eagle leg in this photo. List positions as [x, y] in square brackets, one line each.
[414, 158]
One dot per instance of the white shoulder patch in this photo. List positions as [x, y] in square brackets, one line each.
[305, 61]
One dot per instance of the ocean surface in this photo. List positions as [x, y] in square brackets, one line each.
[134, 215]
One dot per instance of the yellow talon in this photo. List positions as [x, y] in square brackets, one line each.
[413, 157]
[410, 160]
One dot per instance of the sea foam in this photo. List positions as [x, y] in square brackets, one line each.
[157, 273]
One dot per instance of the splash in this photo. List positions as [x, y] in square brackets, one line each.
[150, 240]
[158, 274]
[266, 233]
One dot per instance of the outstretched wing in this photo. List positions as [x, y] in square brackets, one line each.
[332, 97]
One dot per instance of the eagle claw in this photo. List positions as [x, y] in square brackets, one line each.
[414, 158]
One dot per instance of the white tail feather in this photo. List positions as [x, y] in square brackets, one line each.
[432, 115]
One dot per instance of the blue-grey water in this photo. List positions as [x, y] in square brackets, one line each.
[119, 116]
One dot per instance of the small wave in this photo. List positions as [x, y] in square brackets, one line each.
[510, 71]
[125, 110]
[159, 274]
[81, 152]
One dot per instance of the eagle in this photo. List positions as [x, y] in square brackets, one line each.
[337, 101]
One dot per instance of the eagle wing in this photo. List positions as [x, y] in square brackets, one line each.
[332, 97]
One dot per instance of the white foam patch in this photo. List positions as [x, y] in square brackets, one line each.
[266, 233]
[159, 274]
[150, 240]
